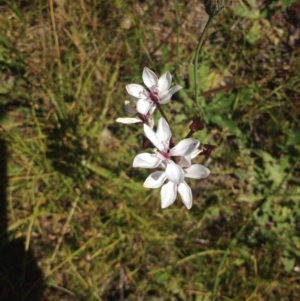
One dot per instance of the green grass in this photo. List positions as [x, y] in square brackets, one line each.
[76, 223]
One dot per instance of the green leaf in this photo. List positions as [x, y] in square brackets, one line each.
[288, 263]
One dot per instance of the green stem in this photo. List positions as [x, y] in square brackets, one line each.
[198, 49]
[235, 238]
[162, 112]
[178, 29]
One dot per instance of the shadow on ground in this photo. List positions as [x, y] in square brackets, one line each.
[20, 277]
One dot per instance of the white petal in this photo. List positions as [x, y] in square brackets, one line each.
[149, 78]
[197, 171]
[163, 132]
[185, 147]
[155, 180]
[129, 109]
[152, 109]
[164, 82]
[146, 160]
[163, 164]
[185, 161]
[151, 135]
[195, 153]
[174, 89]
[186, 194]
[166, 95]
[143, 106]
[150, 122]
[128, 120]
[136, 91]
[168, 194]
[174, 172]
[164, 100]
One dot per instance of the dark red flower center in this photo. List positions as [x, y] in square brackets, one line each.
[154, 95]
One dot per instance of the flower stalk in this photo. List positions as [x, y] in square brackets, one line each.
[171, 162]
[198, 50]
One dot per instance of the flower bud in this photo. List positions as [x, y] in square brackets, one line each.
[213, 7]
[207, 149]
[197, 124]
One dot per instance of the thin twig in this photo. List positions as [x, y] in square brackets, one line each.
[198, 49]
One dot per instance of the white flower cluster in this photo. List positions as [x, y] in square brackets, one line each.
[174, 160]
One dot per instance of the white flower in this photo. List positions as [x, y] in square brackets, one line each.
[169, 190]
[146, 118]
[160, 91]
[167, 157]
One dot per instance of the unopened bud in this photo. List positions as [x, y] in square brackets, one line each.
[207, 149]
[197, 124]
[213, 7]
